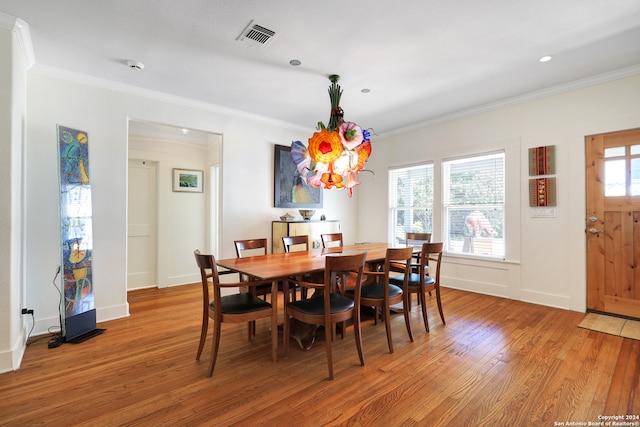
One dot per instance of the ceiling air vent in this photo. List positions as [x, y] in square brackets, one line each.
[257, 35]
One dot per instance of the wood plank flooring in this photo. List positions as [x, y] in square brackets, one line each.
[497, 362]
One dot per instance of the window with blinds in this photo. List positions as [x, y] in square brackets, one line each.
[410, 201]
[473, 205]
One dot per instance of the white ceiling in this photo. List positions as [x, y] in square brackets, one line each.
[421, 59]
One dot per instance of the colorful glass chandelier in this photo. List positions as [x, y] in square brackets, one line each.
[336, 153]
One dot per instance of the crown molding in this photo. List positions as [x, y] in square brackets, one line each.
[160, 96]
[23, 36]
[543, 93]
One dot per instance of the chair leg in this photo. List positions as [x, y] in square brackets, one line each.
[406, 307]
[214, 347]
[440, 305]
[203, 334]
[327, 344]
[387, 325]
[422, 299]
[358, 334]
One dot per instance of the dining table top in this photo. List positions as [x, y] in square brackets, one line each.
[276, 266]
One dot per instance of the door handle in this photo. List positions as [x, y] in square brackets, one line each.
[594, 230]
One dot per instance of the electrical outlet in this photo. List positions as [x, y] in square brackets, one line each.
[27, 311]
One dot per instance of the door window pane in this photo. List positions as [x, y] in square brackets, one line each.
[614, 178]
[635, 177]
[614, 151]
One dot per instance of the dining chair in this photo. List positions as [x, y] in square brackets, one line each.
[252, 247]
[330, 306]
[381, 294]
[417, 239]
[426, 279]
[295, 242]
[234, 308]
[331, 240]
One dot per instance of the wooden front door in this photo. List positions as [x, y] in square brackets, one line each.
[613, 222]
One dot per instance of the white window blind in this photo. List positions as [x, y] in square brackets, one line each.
[410, 201]
[473, 205]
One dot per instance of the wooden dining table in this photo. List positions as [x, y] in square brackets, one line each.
[283, 265]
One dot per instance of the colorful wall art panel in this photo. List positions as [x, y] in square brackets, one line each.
[75, 220]
[542, 192]
[542, 160]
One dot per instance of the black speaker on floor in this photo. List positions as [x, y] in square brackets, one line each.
[81, 327]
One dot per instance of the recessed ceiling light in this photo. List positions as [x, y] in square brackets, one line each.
[135, 65]
[365, 90]
[295, 62]
[545, 58]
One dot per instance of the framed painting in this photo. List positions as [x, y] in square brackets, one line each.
[542, 160]
[290, 191]
[187, 180]
[542, 192]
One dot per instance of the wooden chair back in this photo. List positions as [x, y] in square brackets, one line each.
[431, 254]
[250, 247]
[297, 241]
[331, 240]
[417, 239]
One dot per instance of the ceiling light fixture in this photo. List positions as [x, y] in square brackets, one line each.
[336, 153]
[295, 62]
[545, 58]
[365, 90]
[135, 65]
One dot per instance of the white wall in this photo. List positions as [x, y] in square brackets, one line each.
[13, 65]
[103, 111]
[545, 257]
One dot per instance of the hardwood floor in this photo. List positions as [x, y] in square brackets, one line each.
[497, 362]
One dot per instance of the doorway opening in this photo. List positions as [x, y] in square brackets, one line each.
[166, 225]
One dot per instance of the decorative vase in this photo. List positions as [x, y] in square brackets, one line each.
[306, 214]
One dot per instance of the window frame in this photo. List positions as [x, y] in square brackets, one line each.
[393, 227]
[477, 246]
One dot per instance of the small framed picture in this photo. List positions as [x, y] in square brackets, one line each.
[187, 180]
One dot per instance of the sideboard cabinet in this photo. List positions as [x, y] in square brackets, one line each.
[313, 229]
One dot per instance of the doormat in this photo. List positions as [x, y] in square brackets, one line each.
[611, 325]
